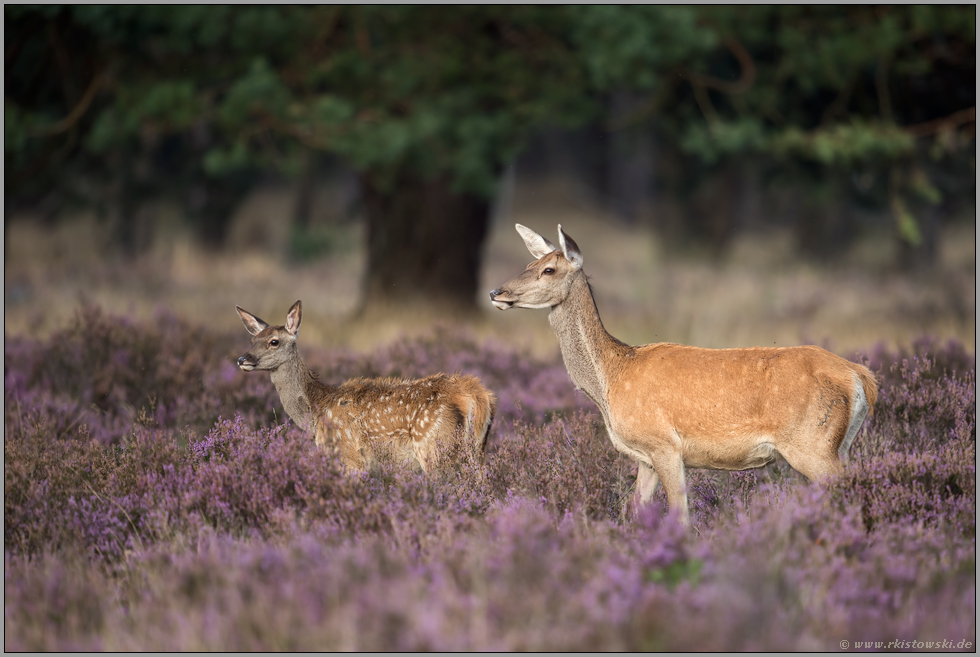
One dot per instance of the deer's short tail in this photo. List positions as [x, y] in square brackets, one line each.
[869, 383]
[478, 406]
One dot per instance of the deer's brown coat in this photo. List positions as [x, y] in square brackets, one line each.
[362, 418]
[669, 406]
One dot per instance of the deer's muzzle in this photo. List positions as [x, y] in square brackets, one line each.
[502, 303]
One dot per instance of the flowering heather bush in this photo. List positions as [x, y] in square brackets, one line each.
[152, 501]
[927, 397]
[103, 374]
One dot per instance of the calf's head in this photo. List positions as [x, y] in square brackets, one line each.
[272, 346]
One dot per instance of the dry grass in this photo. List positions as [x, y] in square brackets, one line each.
[759, 294]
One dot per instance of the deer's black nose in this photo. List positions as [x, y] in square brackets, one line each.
[241, 360]
[493, 294]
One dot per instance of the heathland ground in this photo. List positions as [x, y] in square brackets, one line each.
[154, 499]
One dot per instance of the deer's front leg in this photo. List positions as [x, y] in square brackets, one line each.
[332, 437]
[670, 467]
[647, 481]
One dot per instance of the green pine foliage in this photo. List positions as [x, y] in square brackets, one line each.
[456, 92]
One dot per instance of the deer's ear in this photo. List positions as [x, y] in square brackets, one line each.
[253, 324]
[293, 318]
[537, 245]
[570, 249]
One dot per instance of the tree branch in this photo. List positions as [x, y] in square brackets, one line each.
[64, 64]
[704, 102]
[635, 115]
[840, 102]
[73, 117]
[743, 84]
[954, 120]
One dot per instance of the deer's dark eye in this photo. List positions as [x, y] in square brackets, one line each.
[273, 343]
[549, 271]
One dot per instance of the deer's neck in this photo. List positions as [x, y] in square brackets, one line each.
[591, 355]
[298, 391]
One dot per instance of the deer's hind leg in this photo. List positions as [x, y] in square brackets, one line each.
[813, 464]
[813, 447]
[816, 455]
[476, 405]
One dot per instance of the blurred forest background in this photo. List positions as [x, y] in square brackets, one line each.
[734, 175]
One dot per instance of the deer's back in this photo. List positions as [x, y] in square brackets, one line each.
[405, 417]
[726, 392]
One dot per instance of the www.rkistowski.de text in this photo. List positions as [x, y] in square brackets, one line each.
[908, 644]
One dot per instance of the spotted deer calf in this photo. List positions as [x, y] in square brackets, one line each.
[671, 406]
[406, 418]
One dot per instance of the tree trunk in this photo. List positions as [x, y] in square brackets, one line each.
[211, 203]
[424, 244]
[303, 204]
[122, 210]
[710, 213]
[629, 167]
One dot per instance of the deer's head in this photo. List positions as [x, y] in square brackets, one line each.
[545, 282]
[272, 346]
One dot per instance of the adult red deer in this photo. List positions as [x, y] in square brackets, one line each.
[408, 418]
[671, 406]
